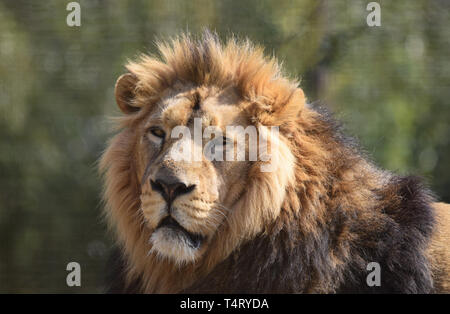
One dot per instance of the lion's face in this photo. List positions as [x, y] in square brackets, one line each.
[185, 199]
[170, 197]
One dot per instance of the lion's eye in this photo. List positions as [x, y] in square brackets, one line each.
[158, 132]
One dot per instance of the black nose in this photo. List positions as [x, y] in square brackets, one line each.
[170, 191]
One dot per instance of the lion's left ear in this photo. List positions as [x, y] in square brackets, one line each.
[125, 93]
[278, 110]
[290, 109]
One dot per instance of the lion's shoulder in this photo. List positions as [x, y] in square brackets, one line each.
[439, 249]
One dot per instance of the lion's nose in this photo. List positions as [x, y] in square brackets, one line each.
[170, 191]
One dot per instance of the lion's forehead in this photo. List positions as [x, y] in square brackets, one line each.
[216, 108]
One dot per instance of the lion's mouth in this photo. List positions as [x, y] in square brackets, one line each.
[194, 240]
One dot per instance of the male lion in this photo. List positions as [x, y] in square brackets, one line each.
[312, 224]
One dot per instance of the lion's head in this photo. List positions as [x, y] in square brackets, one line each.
[173, 213]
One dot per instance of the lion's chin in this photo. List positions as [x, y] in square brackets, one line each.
[171, 240]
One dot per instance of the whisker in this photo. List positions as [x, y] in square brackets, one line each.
[223, 207]
[219, 210]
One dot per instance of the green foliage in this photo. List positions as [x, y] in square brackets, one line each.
[389, 84]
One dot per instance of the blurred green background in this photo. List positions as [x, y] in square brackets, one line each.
[390, 85]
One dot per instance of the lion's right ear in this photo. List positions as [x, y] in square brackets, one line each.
[125, 93]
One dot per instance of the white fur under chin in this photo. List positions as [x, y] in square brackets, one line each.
[167, 243]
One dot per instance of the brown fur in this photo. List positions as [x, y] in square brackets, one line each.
[335, 212]
[438, 250]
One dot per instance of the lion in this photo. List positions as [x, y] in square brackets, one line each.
[312, 224]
